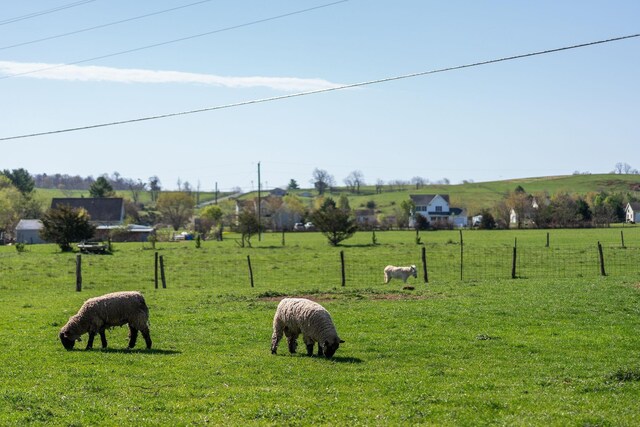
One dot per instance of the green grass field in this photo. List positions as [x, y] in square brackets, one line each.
[530, 351]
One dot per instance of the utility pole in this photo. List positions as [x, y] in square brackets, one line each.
[259, 206]
[216, 193]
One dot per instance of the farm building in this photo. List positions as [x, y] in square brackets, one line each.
[435, 208]
[632, 212]
[28, 231]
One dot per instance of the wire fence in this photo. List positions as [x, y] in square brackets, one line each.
[439, 263]
[348, 267]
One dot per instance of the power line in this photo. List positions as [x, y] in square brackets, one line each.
[109, 24]
[44, 12]
[208, 33]
[313, 92]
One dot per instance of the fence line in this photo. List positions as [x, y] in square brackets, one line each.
[445, 263]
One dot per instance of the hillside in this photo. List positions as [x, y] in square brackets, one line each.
[476, 196]
[472, 196]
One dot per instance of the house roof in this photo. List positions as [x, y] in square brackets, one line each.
[29, 224]
[102, 209]
[425, 199]
[635, 206]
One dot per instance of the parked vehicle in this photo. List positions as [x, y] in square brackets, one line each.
[298, 226]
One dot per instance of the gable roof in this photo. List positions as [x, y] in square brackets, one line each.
[425, 199]
[102, 209]
[29, 224]
[634, 206]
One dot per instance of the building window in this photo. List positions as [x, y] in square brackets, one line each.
[438, 208]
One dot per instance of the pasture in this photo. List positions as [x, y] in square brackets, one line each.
[536, 350]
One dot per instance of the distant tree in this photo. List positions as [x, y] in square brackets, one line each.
[322, 180]
[65, 225]
[334, 223]
[421, 222]
[521, 203]
[379, 186]
[343, 202]
[418, 181]
[154, 187]
[294, 204]
[101, 188]
[21, 179]
[176, 208]
[487, 222]
[564, 210]
[293, 185]
[354, 181]
[248, 225]
[136, 188]
[9, 201]
[583, 210]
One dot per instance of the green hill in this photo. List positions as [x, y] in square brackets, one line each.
[473, 196]
[476, 196]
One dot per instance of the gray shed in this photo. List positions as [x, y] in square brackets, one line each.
[28, 231]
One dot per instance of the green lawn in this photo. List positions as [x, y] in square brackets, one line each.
[530, 351]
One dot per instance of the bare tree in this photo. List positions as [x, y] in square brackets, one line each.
[419, 182]
[379, 186]
[354, 181]
[322, 180]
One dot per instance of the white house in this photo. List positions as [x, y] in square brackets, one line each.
[435, 208]
[632, 212]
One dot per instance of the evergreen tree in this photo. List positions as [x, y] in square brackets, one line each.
[336, 224]
[65, 225]
[101, 188]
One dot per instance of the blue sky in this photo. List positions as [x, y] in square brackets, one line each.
[575, 110]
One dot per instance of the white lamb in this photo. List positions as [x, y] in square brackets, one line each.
[391, 272]
[295, 316]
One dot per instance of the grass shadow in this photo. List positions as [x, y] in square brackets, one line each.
[341, 359]
[140, 350]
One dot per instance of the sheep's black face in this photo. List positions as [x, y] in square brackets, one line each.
[330, 348]
[414, 271]
[66, 342]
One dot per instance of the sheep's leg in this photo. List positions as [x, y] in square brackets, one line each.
[147, 337]
[92, 335]
[103, 338]
[292, 340]
[133, 336]
[275, 338]
[320, 350]
[309, 343]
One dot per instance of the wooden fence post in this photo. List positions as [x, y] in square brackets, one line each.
[461, 255]
[250, 270]
[424, 265]
[513, 262]
[602, 270]
[622, 238]
[344, 280]
[283, 237]
[164, 281]
[155, 270]
[78, 273]
[547, 239]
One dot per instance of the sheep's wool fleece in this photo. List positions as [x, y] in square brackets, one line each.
[114, 309]
[306, 316]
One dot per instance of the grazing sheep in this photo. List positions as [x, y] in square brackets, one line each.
[296, 316]
[391, 272]
[106, 311]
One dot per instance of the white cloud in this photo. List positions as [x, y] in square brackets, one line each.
[125, 75]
